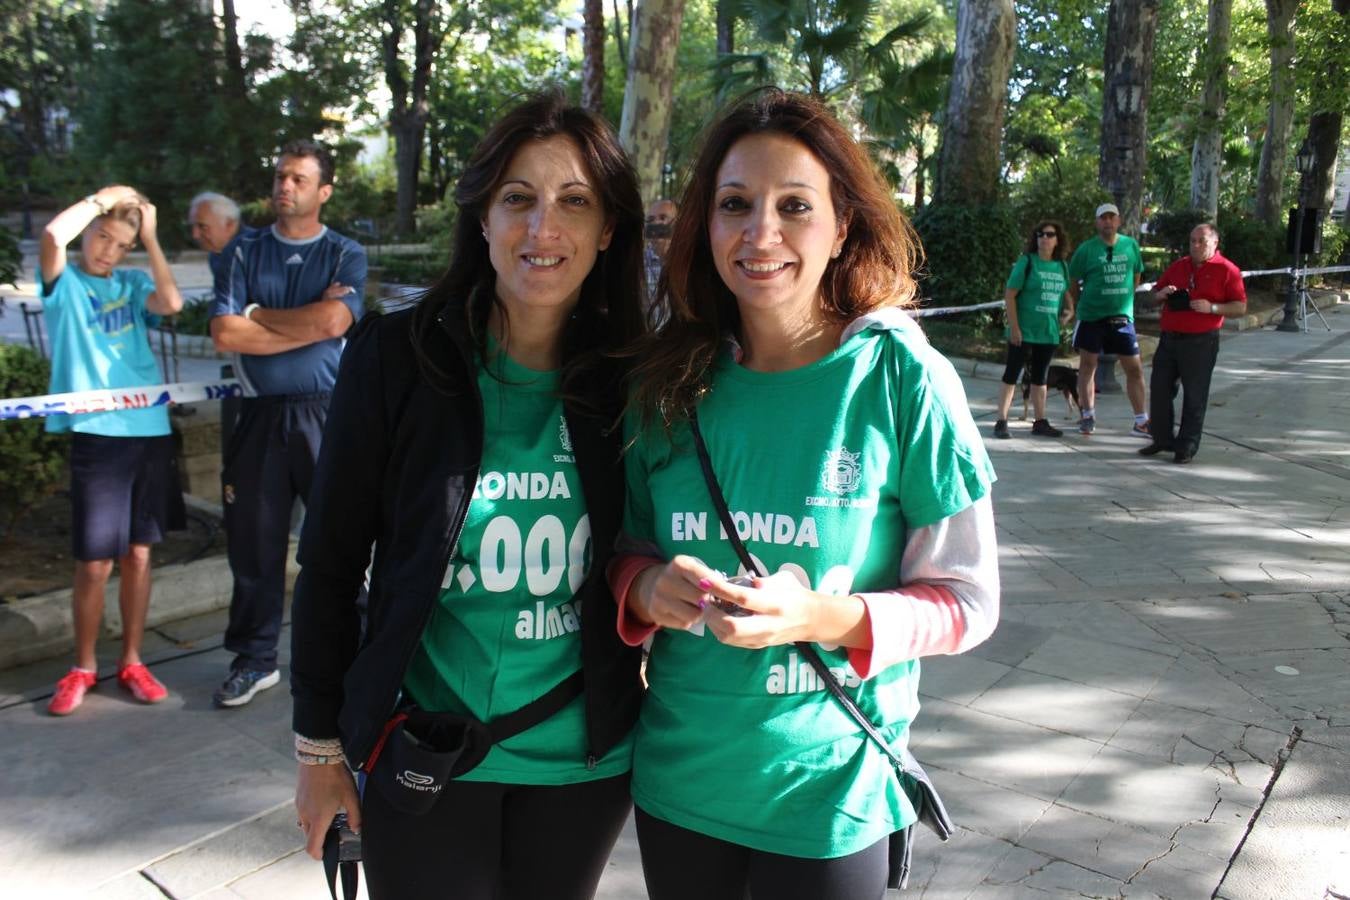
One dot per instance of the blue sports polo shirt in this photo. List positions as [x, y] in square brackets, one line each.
[275, 272]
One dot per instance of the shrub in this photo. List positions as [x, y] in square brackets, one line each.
[1334, 240]
[1069, 194]
[195, 317]
[1246, 240]
[969, 250]
[32, 462]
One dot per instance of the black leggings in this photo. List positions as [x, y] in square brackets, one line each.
[1039, 366]
[490, 841]
[680, 864]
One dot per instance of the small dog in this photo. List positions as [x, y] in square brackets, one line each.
[1060, 378]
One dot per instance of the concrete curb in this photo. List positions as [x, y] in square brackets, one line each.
[41, 627]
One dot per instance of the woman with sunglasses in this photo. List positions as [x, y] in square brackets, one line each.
[854, 474]
[471, 444]
[1034, 296]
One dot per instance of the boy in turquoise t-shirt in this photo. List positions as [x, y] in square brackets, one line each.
[123, 478]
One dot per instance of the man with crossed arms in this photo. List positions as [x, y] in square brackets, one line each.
[284, 298]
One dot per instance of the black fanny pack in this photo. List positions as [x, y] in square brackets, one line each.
[420, 752]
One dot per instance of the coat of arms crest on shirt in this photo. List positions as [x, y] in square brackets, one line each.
[842, 472]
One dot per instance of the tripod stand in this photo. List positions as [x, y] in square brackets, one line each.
[1305, 300]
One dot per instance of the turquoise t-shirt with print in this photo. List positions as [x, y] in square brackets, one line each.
[1040, 285]
[99, 329]
[825, 469]
[506, 629]
[1108, 276]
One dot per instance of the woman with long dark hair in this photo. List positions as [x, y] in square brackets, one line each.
[852, 471]
[471, 447]
[1034, 296]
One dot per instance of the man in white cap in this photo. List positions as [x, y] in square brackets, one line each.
[1103, 275]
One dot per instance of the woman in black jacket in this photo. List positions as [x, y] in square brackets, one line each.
[471, 445]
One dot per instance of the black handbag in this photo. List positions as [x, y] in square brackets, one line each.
[923, 795]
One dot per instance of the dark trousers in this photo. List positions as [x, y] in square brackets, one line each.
[269, 462]
[490, 841]
[1185, 361]
[679, 864]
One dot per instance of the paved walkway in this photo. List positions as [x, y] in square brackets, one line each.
[1163, 711]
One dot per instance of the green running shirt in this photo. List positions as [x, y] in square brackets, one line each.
[505, 629]
[1040, 287]
[1108, 284]
[825, 469]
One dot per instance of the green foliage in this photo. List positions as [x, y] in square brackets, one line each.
[1247, 241]
[1335, 241]
[195, 316]
[10, 257]
[969, 250]
[32, 462]
[1064, 189]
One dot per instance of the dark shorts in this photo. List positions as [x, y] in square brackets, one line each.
[1114, 335]
[123, 491]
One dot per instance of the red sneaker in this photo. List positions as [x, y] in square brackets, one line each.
[70, 692]
[143, 686]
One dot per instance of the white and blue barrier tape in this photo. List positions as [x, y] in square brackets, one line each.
[118, 398]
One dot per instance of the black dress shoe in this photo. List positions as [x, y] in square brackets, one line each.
[1153, 449]
[1183, 457]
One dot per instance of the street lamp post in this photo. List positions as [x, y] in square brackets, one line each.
[1303, 161]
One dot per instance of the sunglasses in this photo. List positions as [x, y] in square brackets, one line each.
[1041, 234]
[1110, 251]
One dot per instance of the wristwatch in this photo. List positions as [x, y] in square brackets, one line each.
[98, 204]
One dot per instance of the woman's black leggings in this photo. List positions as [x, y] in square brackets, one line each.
[680, 864]
[1038, 367]
[489, 841]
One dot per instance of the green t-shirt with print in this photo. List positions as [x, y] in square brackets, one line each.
[1108, 277]
[1040, 285]
[825, 469]
[506, 629]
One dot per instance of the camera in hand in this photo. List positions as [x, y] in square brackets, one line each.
[657, 230]
[1179, 300]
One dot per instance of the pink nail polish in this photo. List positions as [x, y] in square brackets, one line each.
[702, 602]
[704, 583]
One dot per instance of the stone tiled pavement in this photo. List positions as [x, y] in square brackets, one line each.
[1163, 712]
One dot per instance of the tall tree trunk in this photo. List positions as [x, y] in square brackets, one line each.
[726, 28]
[409, 108]
[234, 59]
[593, 56]
[1280, 117]
[645, 125]
[1324, 134]
[238, 104]
[968, 169]
[1206, 153]
[618, 32]
[1130, 31]
[920, 164]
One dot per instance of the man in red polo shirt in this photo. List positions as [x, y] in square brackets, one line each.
[1189, 346]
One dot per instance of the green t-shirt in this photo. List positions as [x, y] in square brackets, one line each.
[825, 469]
[506, 629]
[1040, 287]
[1108, 284]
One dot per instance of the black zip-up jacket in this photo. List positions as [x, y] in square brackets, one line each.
[395, 474]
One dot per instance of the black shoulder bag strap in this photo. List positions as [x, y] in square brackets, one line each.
[929, 808]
